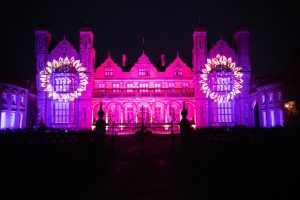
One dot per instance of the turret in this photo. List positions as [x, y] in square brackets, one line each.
[241, 37]
[87, 52]
[199, 47]
[42, 45]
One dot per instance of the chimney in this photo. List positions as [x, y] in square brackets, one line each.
[163, 60]
[123, 60]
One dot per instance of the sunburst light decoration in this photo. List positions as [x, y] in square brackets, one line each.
[71, 65]
[227, 65]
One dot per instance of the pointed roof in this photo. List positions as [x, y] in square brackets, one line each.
[42, 27]
[58, 50]
[200, 27]
[86, 27]
[144, 59]
[242, 27]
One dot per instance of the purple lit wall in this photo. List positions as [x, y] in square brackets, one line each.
[13, 106]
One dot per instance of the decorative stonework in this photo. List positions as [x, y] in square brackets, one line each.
[220, 62]
[46, 76]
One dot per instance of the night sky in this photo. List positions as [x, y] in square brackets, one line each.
[167, 27]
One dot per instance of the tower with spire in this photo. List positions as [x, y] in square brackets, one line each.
[87, 57]
[241, 37]
[199, 59]
[42, 45]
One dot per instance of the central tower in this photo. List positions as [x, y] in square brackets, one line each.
[199, 59]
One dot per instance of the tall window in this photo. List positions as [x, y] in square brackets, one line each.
[64, 84]
[263, 98]
[130, 115]
[108, 72]
[63, 112]
[12, 119]
[272, 118]
[224, 84]
[21, 119]
[101, 87]
[172, 113]
[157, 87]
[116, 87]
[3, 119]
[129, 87]
[264, 118]
[223, 112]
[271, 97]
[185, 86]
[143, 72]
[157, 115]
[116, 115]
[171, 86]
[13, 99]
[279, 96]
[4, 98]
[21, 101]
[144, 87]
[178, 72]
[281, 122]
[144, 115]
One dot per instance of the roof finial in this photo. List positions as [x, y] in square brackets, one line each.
[177, 53]
[143, 44]
[108, 54]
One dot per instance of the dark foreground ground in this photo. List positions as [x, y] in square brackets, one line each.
[214, 165]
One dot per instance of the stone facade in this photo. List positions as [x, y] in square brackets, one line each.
[145, 93]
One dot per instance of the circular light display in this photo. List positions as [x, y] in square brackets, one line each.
[62, 68]
[221, 68]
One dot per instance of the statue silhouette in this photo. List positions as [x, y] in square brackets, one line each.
[100, 123]
[184, 123]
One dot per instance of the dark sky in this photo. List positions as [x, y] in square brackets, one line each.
[167, 27]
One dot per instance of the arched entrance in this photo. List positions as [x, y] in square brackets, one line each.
[256, 116]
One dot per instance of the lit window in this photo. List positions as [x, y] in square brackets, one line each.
[157, 87]
[264, 119]
[144, 87]
[129, 87]
[185, 85]
[178, 72]
[271, 97]
[143, 72]
[224, 112]
[21, 101]
[157, 115]
[144, 115]
[64, 84]
[272, 118]
[12, 119]
[3, 97]
[281, 117]
[21, 120]
[279, 96]
[172, 113]
[13, 99]
[101, 87]
[116, 87]
[263, 98]
[3, 120]
[63, 113]
[108, 72]
[130, 115]
[171, 85]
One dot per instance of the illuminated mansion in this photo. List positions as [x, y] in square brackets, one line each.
[216, 89]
